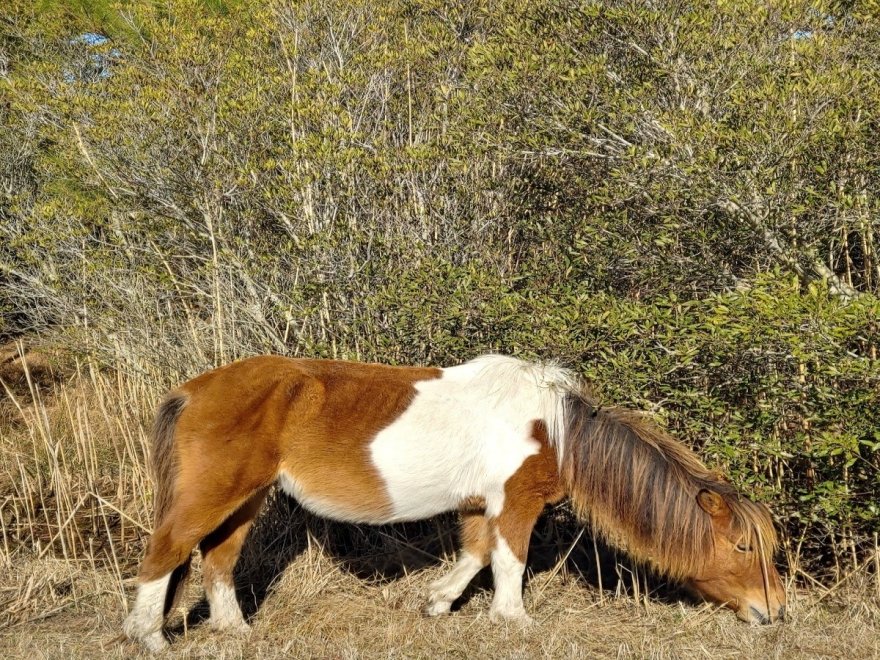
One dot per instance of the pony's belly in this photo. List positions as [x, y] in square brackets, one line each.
[428, 503]
[418, 498]
[372, 508]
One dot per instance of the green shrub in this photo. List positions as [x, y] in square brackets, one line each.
[680, 202]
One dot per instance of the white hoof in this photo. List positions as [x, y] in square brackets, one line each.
[152, 640]
[155, 642]
[518, 617]
[238, 628]
[437, 608]
[225, 612]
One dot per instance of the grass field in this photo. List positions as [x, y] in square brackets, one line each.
[76, 495]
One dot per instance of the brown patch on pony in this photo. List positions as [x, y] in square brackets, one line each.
[476, 535]
[638, 487]
[535, 484]
[339, 410]
[227, 434]
[311, 419]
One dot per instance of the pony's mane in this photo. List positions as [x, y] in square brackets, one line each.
[638, 487]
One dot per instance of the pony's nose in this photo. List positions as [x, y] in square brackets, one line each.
[758, 616]
[780, 615]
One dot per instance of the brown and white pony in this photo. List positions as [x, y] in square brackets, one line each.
[495, 438]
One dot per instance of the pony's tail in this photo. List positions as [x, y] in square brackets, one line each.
[165, 474]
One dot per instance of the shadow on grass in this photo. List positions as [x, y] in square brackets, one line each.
[381, 554]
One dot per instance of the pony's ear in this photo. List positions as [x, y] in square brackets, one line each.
[711, 502]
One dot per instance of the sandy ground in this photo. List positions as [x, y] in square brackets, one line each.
[320, 608]
[312, 589]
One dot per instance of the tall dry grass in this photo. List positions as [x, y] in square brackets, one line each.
[74, 483]
[418, 185]
[76, 495]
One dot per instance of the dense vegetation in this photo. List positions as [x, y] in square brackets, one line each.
[678, 200]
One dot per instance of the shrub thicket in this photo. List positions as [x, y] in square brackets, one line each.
[679, 201]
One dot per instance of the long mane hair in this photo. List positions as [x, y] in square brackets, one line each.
[637, 487]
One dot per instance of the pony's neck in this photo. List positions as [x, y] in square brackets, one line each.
[636, 486]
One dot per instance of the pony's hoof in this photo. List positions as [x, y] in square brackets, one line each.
[518, 618]
[437, 608]
[236, 628]
[153, 642]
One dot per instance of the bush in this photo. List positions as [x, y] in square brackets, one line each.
[680, 202]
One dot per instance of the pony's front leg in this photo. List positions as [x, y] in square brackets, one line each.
[512, 533]
[476, 540]
[507, 571]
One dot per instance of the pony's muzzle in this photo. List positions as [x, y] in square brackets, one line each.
[754, 615]
[758, 616]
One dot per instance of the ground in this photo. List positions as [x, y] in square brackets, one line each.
[75, 508]
[319, 606]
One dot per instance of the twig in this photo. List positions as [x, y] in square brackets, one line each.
[812, 579]
[846, 577]
[411, 547]
[43, 552]
[40, 617]
[559, 564]
[88, 157]
[120, 512]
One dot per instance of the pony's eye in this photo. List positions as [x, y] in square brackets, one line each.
[742, 547]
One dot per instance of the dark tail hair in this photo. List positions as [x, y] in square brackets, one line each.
[164, 474]
[164, 459]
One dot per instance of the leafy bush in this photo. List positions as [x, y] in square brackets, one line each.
[680, 202]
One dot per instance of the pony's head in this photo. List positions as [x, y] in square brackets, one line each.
[652, 497]
[739, 571]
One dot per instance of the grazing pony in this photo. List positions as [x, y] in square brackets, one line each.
[495, 438]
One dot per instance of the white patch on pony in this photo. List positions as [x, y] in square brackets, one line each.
[144, 622]
[444, 591]
[507, 571]
[316, 505]
[466, 433]
[225, 611]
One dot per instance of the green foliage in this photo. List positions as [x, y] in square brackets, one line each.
[679, 201]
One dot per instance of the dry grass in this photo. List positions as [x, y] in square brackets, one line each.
[75, 510]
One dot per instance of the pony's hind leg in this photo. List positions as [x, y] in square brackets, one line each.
[476, 540]
[144, 622]
[164, 567]
[166, 563]
[197, 511]
[220, 551]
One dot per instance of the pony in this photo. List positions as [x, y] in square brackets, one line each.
[496, 439]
